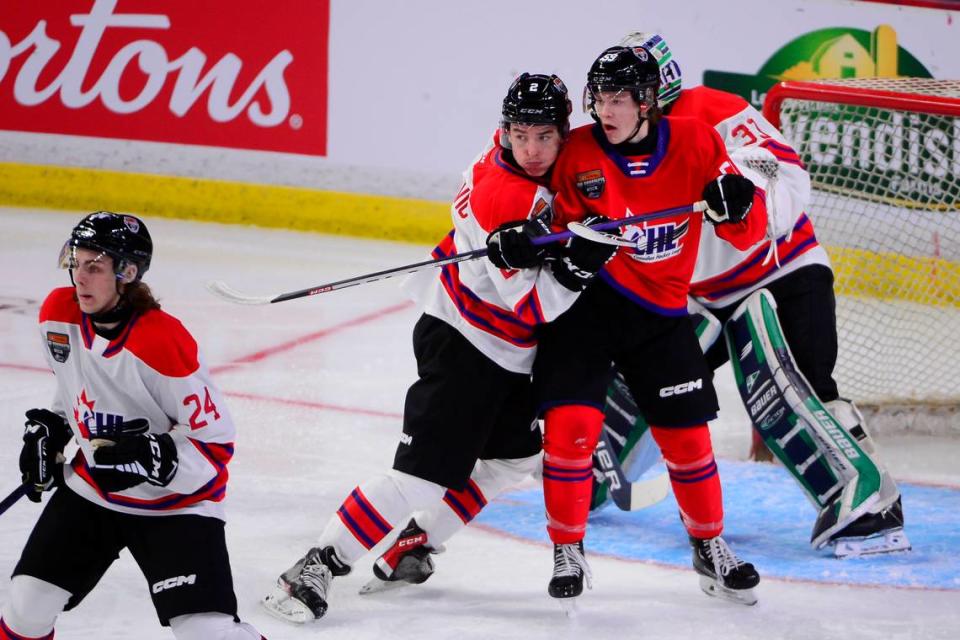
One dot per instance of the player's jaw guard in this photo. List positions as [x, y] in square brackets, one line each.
[838, 476]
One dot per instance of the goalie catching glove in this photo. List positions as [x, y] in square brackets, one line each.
[729, 198]
[130, 456]
[44, 437]
[580, 259]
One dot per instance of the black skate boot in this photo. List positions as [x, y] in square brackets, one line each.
[872, 533]
[570, 569]
[722, 573]
[301, 592]
[406, 562]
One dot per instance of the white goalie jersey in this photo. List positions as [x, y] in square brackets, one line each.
[152, 370]
[497, 310]
[723, 273]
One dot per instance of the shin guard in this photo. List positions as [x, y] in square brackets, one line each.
[688, 454]
[570, 436]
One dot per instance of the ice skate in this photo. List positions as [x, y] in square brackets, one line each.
[570, 570]
[302, 590]
[722, 573]
[872, 534]
[406, 562]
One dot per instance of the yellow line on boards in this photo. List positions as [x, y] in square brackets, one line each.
[929, 280]
[369, 216]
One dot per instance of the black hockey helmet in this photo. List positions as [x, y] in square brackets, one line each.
[535, 98]
[619, 68]
[122, 237]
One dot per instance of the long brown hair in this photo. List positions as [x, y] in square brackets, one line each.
[139, 297]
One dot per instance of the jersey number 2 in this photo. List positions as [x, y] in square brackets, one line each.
[207, 408]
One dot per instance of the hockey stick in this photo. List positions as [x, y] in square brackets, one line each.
[230, 294]
[631, 496]
[15, 495]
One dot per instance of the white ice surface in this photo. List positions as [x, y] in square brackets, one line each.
[321, 415]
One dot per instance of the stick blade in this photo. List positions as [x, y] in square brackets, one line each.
[641, 493]
[226, 292]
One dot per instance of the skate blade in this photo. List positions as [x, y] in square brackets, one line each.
[279, 604]
[739, 596]
[376, 585]
[893, 541]
[569, 606]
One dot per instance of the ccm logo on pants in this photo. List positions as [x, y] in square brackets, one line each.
[172, 583]
[681, 388]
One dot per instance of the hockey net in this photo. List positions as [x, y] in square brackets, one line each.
[884, 160]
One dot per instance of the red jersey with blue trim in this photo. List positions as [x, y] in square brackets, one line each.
[724, 273]
[152, 370]
[495, 309]
[593, 176]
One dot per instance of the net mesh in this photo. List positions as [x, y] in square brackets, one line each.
[886, 187]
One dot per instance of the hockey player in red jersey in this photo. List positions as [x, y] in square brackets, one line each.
[634, 314]
[469, 426]
[153, 437]
[794, 269]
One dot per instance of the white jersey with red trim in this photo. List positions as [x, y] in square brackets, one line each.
[152, 370]
[495, 309]
[723, 273]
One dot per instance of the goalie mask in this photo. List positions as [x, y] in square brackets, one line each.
[670, 76]
[535, 98]
[122, 237]
[618, 69]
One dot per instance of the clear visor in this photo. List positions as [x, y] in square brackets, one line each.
[591, 93]
[69, 260]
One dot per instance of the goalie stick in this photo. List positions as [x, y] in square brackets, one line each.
[225, 291]
[632, 496]
[15, 495]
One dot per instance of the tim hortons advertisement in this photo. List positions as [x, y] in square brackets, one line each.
[231, 73]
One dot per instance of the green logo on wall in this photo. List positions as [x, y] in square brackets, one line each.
[825, 53]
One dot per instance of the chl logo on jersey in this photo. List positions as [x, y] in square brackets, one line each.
[656, 242]
[591, 183]
[93, 423]
[59, 345]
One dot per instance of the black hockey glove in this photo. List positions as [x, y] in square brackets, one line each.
[131, 456]
[510, 246]
[580, 259]
[729, 198]
[45, 435]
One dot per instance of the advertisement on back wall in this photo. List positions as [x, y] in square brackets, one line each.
[168, 71]
[384, 98]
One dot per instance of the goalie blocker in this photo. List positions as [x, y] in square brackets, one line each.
[823, 445]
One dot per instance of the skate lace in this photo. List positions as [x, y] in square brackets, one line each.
[316, 576]
[724, 560]
[568, 560]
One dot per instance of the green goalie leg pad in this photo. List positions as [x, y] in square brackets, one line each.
[838, 477]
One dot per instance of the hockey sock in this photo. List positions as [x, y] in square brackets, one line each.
[7, 634]
[31, 609]
[488, 480]
[372, 510]
[207, 626]
[571, 433]
[688, 454]
[467, 503]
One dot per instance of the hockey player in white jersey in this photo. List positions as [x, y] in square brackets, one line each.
[832, 456]
[137, 442]
[469, 426]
